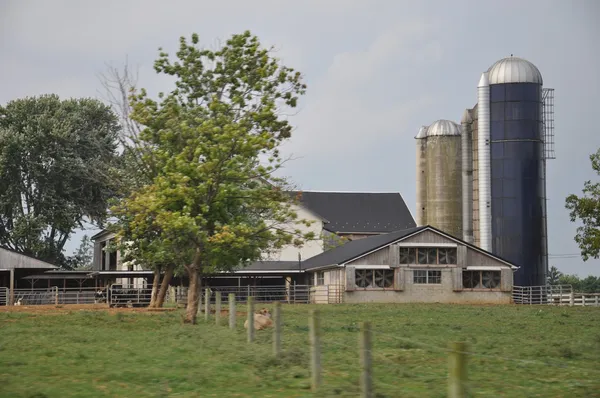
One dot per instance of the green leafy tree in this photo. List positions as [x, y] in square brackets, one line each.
[57, 171]
[215, 200]
[587, 209]
[554, 276]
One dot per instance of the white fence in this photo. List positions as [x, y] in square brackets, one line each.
[554, 295]
[3, 296]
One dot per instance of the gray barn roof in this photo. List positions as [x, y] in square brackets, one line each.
[355, 248]
[270, 266]
[359, 212]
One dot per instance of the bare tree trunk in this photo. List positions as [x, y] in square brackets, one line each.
[193, 295]
[162, 293]
[155, 284]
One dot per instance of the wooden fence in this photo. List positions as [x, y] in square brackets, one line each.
[457, 351]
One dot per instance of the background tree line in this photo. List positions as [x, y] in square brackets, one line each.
[589, 284]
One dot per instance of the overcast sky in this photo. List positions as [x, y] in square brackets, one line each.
[376, 71]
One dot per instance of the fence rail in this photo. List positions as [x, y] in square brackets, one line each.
[294, 294]
[118, 296]
[3, 296]
[553, 295]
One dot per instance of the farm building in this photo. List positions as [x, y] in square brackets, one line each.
[369, 250]
[421, 264]
[334, 216]
[13, 268]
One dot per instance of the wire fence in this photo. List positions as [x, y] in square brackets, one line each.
[387, 364]
[120, 296]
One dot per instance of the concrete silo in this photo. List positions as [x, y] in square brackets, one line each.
[421, 208]
[439, 179]
[510, 162]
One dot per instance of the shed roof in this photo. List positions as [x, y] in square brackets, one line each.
[10, 259]
[359, 212]
[356, 248]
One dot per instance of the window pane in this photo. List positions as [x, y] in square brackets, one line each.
[419, 276]
[422, 256]
[363, 277]
[384, 278]
[452, 255]
[404, 255]
[432, 255]
[490, 279]
[470, 279]
[434, 277]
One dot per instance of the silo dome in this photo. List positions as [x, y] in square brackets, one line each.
[443, 127]
[514, 70]
[422, 133]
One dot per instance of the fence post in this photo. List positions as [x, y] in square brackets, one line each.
[315, 349]
[56, 296]
[250, 319]
[232, 311]
[457, 380]
[11, 284]
[572, 299]
[206, 303]
[366, 361]
[583, 300]
[217, 308]
[277, 330]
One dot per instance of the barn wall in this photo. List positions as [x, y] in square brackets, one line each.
[415, 293]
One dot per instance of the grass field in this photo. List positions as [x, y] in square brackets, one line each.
[518, 351]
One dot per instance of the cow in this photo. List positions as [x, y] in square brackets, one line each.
[262, 320]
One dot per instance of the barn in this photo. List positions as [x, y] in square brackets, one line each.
[421, 264]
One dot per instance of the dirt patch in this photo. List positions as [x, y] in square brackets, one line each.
[63, 309]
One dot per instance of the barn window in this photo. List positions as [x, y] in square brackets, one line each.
[384, 277]
[408, 255]
[481, 279]
[447, 255]
[320, 278]
[428, 255]
[427, 277]
[374, 278]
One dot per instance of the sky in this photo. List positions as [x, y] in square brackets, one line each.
[376, 71]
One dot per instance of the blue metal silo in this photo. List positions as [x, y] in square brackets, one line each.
[512, 167]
